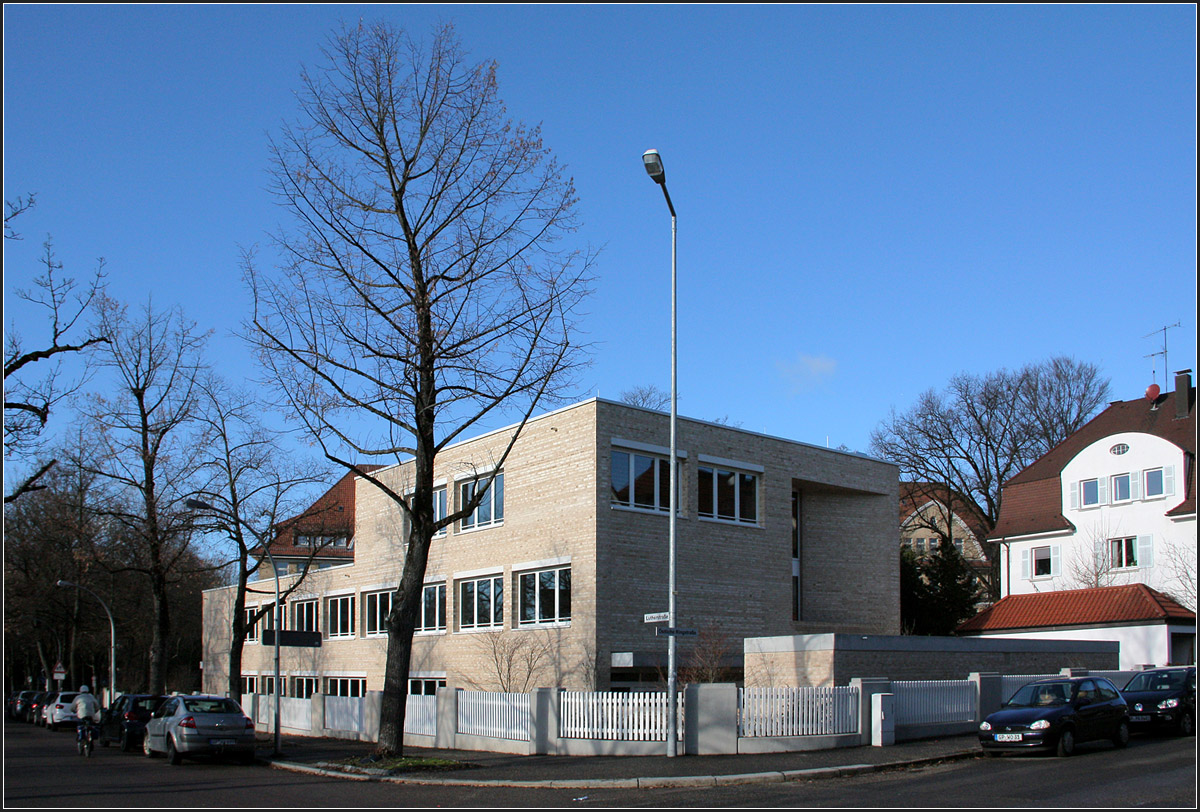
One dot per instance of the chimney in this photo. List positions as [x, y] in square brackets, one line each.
[1183, 393]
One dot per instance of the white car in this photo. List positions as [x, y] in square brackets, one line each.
[58, 710]
[199, 724]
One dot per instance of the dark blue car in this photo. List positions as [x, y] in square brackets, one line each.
[1163, 699]
[1055, 715]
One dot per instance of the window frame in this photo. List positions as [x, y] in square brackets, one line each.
[494, 580]
[345, 686]
[558, 618]
[1121, 551]
[660, 477]
[375, 617]
[306, 615]
[334, 626]
[441, 593]
[716, 472]
[494, 501]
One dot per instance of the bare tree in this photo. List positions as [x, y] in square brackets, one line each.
[249, 485]
[148, 450]
[34, 382]
[514, 661]
[1180, 564]
[982, 430]
[648, 396]
[422, 295]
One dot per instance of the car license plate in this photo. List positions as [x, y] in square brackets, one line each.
[222, 742]
[1139, 718]
[1008, 737]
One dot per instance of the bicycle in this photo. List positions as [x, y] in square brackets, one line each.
[85, 738]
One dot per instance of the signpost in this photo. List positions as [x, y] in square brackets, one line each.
[669, 632]
[291, 637]
[656, 617]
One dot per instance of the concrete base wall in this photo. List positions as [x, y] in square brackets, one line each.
[836, 659]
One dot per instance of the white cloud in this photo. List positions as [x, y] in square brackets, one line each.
[806, 372]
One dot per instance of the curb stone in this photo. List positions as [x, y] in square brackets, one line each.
[771, 777]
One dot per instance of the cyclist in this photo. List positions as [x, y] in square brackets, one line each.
[87, 708]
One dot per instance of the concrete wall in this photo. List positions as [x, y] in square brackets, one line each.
[836, 659]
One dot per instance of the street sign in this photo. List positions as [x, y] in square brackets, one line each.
[656, 617]
[60, 673]
[289, 637]
[670, 632]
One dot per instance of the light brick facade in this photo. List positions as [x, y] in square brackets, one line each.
[736, 579]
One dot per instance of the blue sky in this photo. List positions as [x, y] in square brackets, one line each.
[871, 199]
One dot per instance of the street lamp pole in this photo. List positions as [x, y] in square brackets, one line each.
[277, 619]
[112, 646]
[654, 167]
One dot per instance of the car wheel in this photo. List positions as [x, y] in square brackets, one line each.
[1066, 743]
[126, 746]
[1121, 737]
[146, 746]
[1187, 725]
[53, 727]
[173, 757]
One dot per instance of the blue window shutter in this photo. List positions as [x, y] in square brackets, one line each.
[1145, 551]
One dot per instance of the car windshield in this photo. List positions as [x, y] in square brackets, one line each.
[217, 705]
[1157, 681]
[1041, 694]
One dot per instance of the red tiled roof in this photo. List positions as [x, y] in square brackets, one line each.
[331, 514]
[915, 495]
[1032, 500]
[1076, 607]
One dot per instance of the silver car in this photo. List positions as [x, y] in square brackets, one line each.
[198, 724]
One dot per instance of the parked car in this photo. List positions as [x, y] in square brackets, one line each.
[36, 706]
[199, 724]
[125, 722]
[59, 710]
[22, 703]
[1056, 714]
[1163, 699]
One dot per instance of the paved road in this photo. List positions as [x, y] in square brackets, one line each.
[41, 769]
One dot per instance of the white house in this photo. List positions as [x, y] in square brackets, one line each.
[1112, 505]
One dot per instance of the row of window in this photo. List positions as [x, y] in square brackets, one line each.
[305, 687]
[1129, 486]
[543, 598]
[643, 481]
[1128, 552]
[930, 545]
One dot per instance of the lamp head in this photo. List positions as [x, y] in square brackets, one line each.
[654, 166]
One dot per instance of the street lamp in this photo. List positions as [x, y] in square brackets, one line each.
[112, 646]
[654, 167]
[277, 620]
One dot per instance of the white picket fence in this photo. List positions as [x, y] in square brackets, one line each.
[615, 716]
[798, 711]
[497, 715]
[920, 702]
[344, 713]
[420, 715]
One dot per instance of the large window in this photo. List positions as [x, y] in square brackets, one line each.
[251, 624]
[545, 596]
[490, 510]
[1089, 491]
[433, 609]
[1123, 552]
[376, 607]
[727, 495]
[339, 616]
[304, 687]
[304, 616]
[1040, 562]
[640, 481]
[1120, 488]
[425, 686]
[481, 603]
[345, 686]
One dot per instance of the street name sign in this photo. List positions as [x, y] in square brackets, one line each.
[670, 632]
[656, 617]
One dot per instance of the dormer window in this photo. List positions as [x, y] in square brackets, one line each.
[1118, 449]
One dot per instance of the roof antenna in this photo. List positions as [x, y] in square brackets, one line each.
[1163, 352]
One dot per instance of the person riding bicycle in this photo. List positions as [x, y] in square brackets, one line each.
[87, 708]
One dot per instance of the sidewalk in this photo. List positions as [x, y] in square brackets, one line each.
[592, 772]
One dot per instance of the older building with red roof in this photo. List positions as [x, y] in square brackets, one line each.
[1112, 505]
